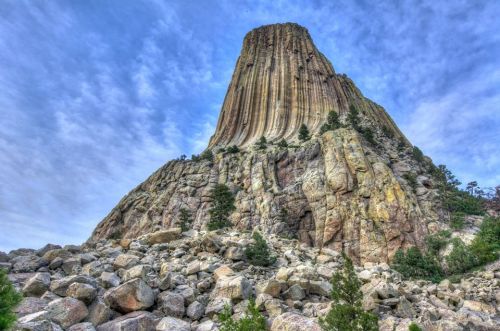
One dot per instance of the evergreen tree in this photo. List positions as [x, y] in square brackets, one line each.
[233, 149]
[222, 206]
[353, 117]
[262, 143]
[417, 154]
[9, 299]
[251, 321]
[259, 253]
[283, 143]
[347, 313]
[333, 120]
[324, 128]
[414, 327]
[185, 219]
[304, 134]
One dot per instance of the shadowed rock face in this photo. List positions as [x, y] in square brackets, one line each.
[342, 189]
[280, 82]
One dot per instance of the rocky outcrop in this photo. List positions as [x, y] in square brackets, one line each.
[339, 191]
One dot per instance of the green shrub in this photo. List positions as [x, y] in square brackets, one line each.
[259, 253]
[9, 299]
[387, 132]
[413, 264]
[283, 143]
[414, 327]
[233, 149]
[353, 117]
[461, 258]
[207, 155]
[261, 143]
[332, 122]
[324, 128]
[251, 321]
[185, 219]
[457, 221]
[462, 202]
[401, 145]
[486, 244]
[368, 134]
[417, 154]
[437, 241]
[347, 312]
[222, 206]
[304, 134]
[411, 179]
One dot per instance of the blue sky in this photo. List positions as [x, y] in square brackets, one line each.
[96, 95]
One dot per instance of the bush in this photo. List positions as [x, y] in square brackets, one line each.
[222, 206]
[251, 321]
[414, 327]
[417, 154]
[347, 313]
[460, 259]
[9, 299]
[304, 134]
[413, 264]
[233, 149]
[207, 155]
[437, 241]
[486, 244]
[368, 134]
[283, 143]
[259, 253]
[324, 128]
[353, 117]
[261, 143]
[387, 132]
[462, 202]
[457, 221]
[185, 219]
[411, 179]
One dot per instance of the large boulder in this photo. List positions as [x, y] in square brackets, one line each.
[164, 236]
[135, 321]
[67, 311]
[294, 322]
[37, 285]
[130, 296]
[82, 292]
[173, 324]
[232, 287]
[125, 261]
[27, 263]
[60, 286]
[172, 304]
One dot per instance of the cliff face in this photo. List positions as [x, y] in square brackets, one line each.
[340, 189]
[280, 82]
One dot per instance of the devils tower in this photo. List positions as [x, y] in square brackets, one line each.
[280, 82]
[348, 189]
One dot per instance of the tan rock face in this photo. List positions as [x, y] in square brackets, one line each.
[281, 81]
[340, 191]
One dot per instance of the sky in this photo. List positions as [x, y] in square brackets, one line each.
[96, 95]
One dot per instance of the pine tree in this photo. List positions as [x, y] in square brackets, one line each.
[262, 143]
[9, 298]
[333, 120]
[259, 253]
[222, 206]
[185, 219]
[347, 313]
[283, 143]
[251, 321]
[304, 134]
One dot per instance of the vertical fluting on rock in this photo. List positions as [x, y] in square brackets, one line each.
[280, 82]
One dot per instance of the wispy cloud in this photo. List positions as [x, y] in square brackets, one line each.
[95, 95]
